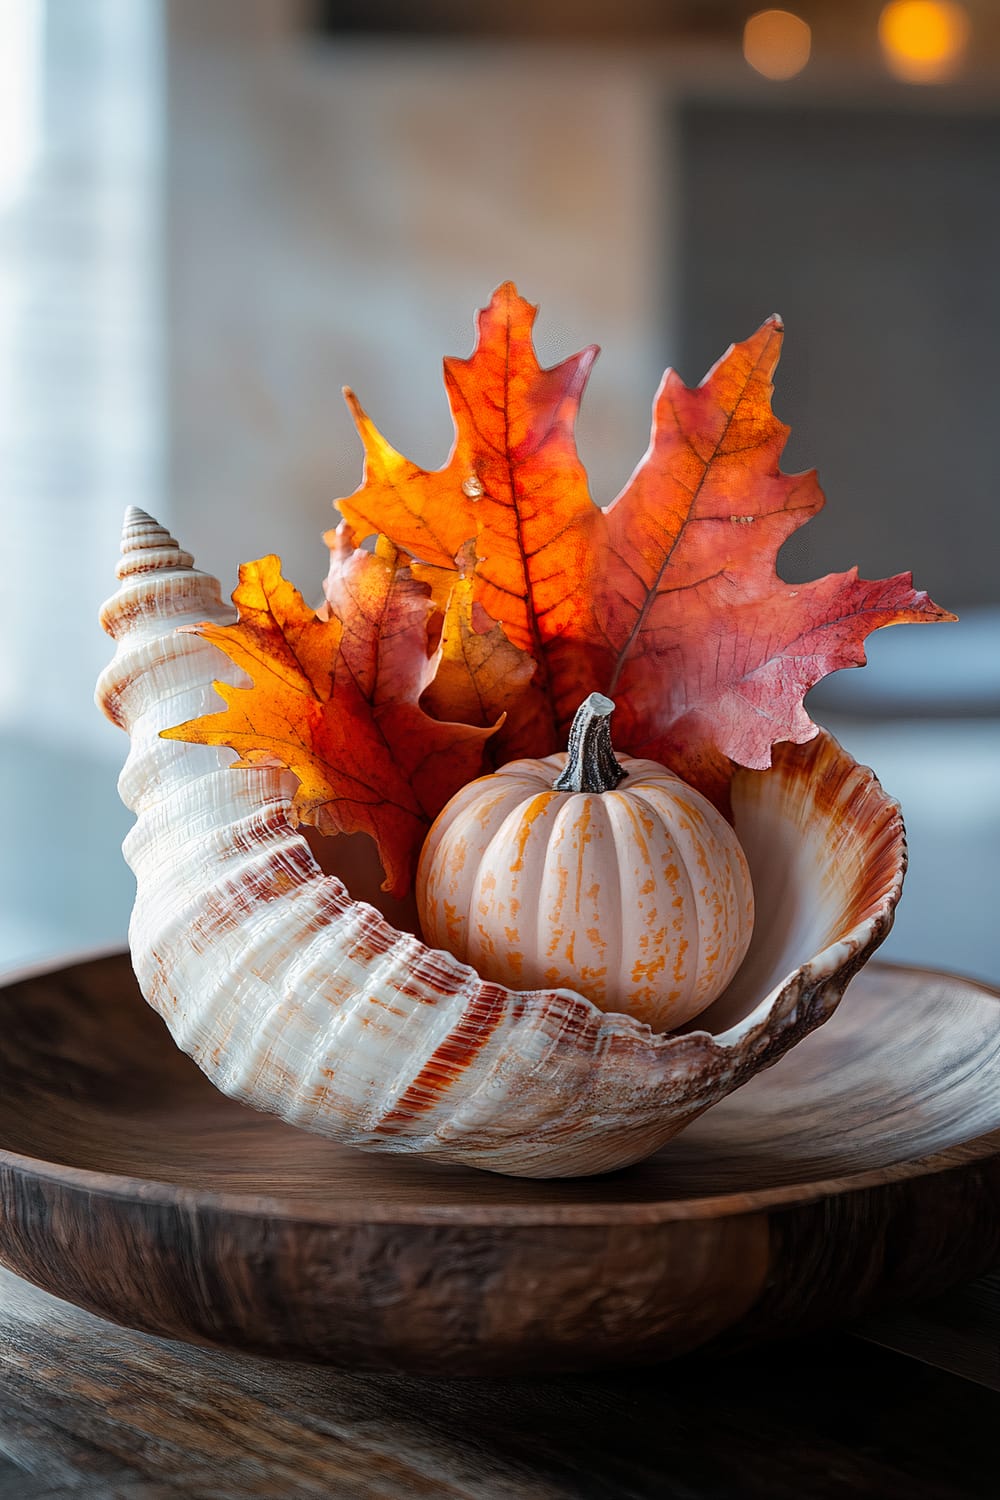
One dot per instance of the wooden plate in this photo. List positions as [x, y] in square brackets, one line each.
[865, 1167]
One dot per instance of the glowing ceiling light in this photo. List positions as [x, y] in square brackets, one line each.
[777, 43]
[923, 41]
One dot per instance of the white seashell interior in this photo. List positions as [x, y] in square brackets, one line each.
[301, 1001]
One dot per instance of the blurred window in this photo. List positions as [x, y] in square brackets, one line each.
[875, 235]
[80, 438]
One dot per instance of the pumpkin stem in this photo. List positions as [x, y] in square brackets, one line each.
[591, 765]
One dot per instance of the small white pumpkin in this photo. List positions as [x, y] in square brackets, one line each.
[552, 873]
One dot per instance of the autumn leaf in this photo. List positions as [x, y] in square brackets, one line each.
[479, 675]
[384, 613]
[335, 700]
[709, 652]
[513, 482]
[668, 600]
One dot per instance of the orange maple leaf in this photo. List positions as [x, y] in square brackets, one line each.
[334, 698]
[668, 600]
[513, 482]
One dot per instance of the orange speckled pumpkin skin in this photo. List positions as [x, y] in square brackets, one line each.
[639, 897]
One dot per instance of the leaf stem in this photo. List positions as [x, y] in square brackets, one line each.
[590, 764]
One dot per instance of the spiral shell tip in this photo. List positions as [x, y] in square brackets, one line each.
[146, 545]
[135, 513]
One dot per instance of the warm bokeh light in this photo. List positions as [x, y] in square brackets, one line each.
[924, 41]
[776, 43]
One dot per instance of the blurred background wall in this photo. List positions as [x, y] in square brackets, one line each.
[227, 209]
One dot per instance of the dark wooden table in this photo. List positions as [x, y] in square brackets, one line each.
[87, 1408]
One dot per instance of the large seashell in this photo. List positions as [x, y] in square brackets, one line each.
[299, 1000]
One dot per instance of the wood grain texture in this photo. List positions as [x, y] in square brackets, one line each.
[959, 1331]
[865, 1168]
[92, 1410]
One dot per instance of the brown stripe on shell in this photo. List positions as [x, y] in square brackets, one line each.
[374, 937]
[432, 976]
[280, 871]
[487, 1007]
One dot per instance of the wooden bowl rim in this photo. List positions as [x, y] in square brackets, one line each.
[352, 1212]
